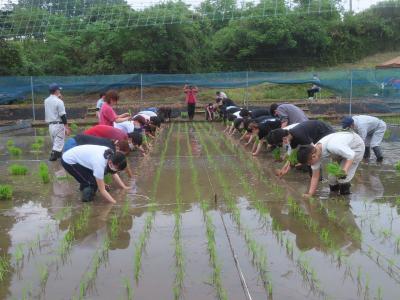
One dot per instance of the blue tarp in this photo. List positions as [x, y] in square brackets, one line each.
[364, 83]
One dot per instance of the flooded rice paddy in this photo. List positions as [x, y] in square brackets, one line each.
[203, 220]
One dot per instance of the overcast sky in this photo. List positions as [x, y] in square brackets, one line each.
[358, 5]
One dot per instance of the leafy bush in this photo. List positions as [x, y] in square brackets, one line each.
[6, 192]
[16, 169]
[36, 147]
[397, 166]
[10, 143]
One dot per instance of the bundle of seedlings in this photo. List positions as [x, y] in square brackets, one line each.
[16, 169]
[6, 192]
[335, 169]
[44, 172]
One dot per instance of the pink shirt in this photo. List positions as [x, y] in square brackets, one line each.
[107, 132]
[191, 96]
[107, 115]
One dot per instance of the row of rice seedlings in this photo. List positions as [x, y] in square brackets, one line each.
[210, 228]
[44, 172]
[308, 273]
[6, 192]
[258, 252]
[148, 223]
[101, 255]
[79, 225]
[17, 169]
[179, 256]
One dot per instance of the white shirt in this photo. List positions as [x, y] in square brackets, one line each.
[237, 114]
[99, 103]
[126, 126]
[291, 126]
[148, 113]
[88, 156]
[365, 125]
[336, 144]
[53, 109]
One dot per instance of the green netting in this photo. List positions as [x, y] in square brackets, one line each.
[379, 83]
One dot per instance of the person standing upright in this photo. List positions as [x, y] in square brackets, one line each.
[191, 99]
[99, 104]
[56, 117]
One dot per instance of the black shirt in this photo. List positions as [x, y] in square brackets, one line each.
[255, 113]
[309, 132]
[83, 139]
[228, 102]
[267, 125]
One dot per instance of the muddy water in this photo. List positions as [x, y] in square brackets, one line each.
[352, 252]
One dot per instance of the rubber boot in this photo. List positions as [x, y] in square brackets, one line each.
[345, 188]
[367, 153]
[378, 153]
[334, 188]
[87, 194]
[54, 155]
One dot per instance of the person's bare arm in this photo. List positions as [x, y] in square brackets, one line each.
[119, 181]
[260, 143]
[102, 189]
[313, 183]
[250, 140]
[120, 119]
[284, 170]
[347, 165]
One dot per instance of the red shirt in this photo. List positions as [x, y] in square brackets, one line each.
[191, 96]
[107, 132]
[107, 115]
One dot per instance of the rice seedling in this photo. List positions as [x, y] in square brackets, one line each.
[74, 128]
[387, 134]
[292, 157]
[44, 172]
[4, 267]
[15, 151]
[114, 226]
[397, 166]
[42, 131]
[335, 169]
[10, 143]
[379, 295]
[276, 154]
[39, 140]
[44, 275]
[6, 192]
[108, 179]
[128, 287]
[36, 147]
[16, 169]
[19, 253]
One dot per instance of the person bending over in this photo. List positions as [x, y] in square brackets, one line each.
[260, 131]
[371, 130]
[306, 133]
[288, 113]
[346, 148]
[88, 164]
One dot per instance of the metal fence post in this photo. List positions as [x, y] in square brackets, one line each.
[33, 101]
[351, 91]
[247, 89]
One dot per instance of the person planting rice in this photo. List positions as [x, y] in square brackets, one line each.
[230, 128]
[288, 113]
[371, 130]
[107, 114]
[191, 99]
[89, 163]
[261, 130]
[83, 139]
[345, 148]
[134, 139]
[56, 117]
[306, 133]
